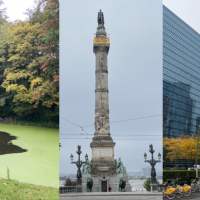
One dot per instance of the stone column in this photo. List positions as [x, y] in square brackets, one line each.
[103, 163]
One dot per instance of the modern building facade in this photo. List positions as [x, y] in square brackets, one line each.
[181, 77]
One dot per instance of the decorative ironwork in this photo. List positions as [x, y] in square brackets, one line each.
[153, 163]
[79, 163]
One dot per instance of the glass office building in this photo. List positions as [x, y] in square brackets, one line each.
[181, 77]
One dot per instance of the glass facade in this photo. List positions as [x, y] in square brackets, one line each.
[181, 77]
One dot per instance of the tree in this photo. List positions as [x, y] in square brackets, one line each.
[180, 148]
[5, 109]
[30, 67]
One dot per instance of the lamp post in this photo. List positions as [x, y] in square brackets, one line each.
[153, 163]
[79, 163]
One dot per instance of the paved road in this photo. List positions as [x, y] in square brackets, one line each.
[112, 197]
[121, 197]
[196, 196]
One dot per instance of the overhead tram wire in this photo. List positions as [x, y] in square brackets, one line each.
[116, 139]
[82, 128]
[130, 119]
[113, 121]
[115, 135]
[77, 125]
[83, 133]
[122, 136]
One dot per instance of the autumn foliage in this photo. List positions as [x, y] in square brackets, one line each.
[180, 148]
[29, 65]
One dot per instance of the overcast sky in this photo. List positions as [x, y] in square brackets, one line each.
[188, 10]
[16, 9]
[135, 77]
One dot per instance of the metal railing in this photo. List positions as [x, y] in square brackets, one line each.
[79, 188]
[138, 189]
[70, 189]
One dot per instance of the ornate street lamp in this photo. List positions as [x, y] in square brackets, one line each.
[79, 163]
[153, 163]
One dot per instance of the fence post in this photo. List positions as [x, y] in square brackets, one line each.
[8, 173]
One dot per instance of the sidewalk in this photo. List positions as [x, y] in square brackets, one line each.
[112, 194]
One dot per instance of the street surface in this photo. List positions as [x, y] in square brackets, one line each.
[120, 196]
[196, 196]
[112, 196]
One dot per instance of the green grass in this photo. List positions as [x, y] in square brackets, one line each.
[13, 190]
[40, 164]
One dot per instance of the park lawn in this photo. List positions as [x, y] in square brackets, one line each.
[40, 164]
[13, 190]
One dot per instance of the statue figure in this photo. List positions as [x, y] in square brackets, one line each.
[89, 184]
[100, 123]
[122, 185]
[100, 18]
[119, 163]
[83, 169]
[86, 169]
[120, 167]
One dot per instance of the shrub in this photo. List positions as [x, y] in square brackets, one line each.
[179, 176]
[147, 184]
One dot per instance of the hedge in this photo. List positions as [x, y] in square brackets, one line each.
[183, 176]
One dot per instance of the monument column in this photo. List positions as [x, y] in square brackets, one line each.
[103, 172]
[103, 163]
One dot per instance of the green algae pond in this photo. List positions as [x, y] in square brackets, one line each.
[39, 164]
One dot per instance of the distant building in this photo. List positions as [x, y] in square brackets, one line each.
[146, 172]
[181, 74]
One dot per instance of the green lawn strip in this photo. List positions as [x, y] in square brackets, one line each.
[39, 165]
[13, 190]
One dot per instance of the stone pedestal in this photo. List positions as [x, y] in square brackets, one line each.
[104, 178]
[102, 184]
[103, 163]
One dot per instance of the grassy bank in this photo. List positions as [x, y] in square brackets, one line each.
[47, 124]
[10, 190]
[39, 165]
